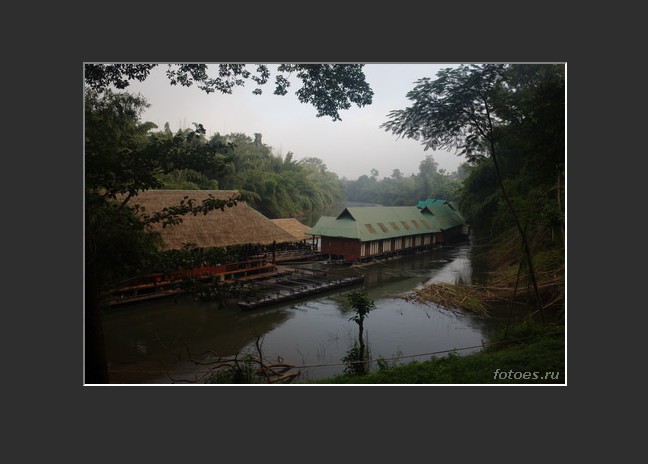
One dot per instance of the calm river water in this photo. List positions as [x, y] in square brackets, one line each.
[150, 342]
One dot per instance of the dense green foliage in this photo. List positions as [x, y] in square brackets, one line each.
[399, 190]
[274, 185]
[531, 152]
[529, 138]
[277, 186]
[516, 111]
[508, 121]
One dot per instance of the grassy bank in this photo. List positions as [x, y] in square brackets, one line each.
[526, 354]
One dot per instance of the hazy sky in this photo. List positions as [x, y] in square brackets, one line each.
[350, 147]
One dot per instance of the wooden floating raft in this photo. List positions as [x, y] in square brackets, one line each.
[164, 286]
[288, 294]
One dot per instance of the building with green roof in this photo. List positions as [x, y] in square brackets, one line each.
[363, 232]
[445, 212]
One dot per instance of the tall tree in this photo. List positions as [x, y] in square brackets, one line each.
[122, 159]
[465, 108]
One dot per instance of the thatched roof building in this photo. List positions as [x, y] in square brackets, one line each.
[294, 228]
[238, 225]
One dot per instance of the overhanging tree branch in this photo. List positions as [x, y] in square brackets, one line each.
[328, 87]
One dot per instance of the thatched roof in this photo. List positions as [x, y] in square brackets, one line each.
[238, 225]
[294, 228]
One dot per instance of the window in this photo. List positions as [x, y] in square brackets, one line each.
[383, 227]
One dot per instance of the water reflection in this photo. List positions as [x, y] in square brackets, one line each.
[152, 342]
[148, 342]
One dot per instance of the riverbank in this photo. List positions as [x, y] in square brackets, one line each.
[502, 277]
[526, 354]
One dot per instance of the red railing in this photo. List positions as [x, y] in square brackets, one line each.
[156, 282]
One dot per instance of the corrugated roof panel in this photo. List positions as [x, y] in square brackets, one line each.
[370, 228]
[425, 224]
[329, 226]
[445, 216]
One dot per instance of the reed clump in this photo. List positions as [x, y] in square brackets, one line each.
[451, 296]
[506, 278]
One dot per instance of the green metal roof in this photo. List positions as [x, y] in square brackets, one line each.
[330, 226]
[377, 223]
[446, 214]
[430, 201]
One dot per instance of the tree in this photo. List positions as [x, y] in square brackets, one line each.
[257, 139]
[328, 87]
[465, 108]
[428, 177]
[398, 190]
[362, 305]
[277, 186]
[122, 159]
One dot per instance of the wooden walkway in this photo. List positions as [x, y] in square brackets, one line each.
[268, 284]
[171, 287]
[296, 288]
[294, 255]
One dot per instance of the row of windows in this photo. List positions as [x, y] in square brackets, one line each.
[377, 247]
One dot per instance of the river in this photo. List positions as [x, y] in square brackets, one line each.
[157, 342]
